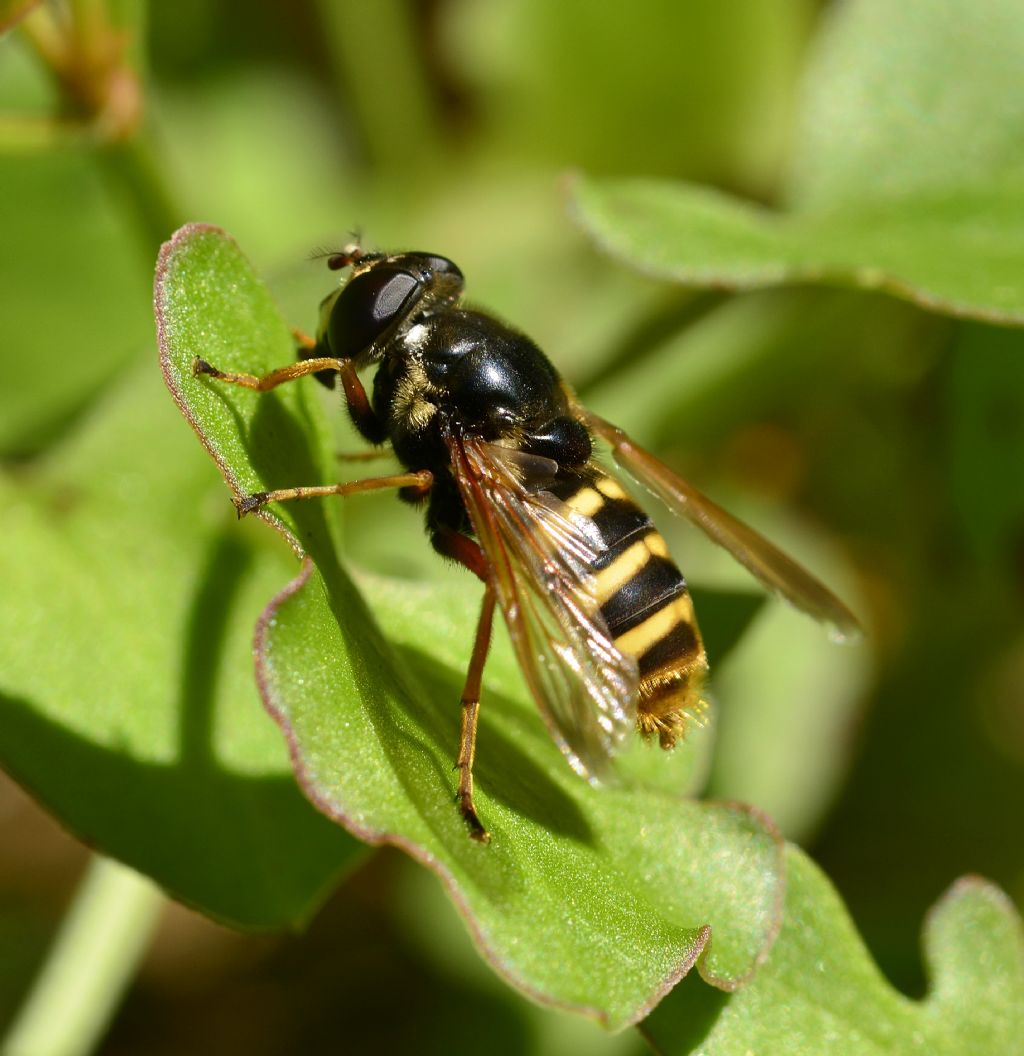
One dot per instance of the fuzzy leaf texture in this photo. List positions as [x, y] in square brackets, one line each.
[907, 172]
[820, 992]
[593, 899]
[127, 704]
[596, 900]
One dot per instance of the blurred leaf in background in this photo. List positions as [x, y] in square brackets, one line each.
[878, 441]
[74, 291]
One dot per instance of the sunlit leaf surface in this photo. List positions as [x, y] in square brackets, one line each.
[126, 698]
[593, 899]
[819, 990]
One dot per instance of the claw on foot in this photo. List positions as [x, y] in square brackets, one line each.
[469, 815]
[477, 831]
[200, 366]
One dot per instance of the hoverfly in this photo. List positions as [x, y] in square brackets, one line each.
[501, 453]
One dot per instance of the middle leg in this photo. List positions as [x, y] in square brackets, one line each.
[470, 714]
[468, 553]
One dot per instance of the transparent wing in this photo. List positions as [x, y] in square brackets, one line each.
[779, 573]
[541, 555]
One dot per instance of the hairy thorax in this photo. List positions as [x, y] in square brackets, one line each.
[462, 368]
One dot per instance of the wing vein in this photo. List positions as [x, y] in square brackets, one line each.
[541, 555]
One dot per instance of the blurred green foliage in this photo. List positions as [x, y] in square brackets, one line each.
[879, 442]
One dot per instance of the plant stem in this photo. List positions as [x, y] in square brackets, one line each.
[32, 133]
[93, 958]
[43, 34]
[89, 19]
[88, 57]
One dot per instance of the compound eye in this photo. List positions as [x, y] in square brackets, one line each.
[371, 305]
[443, 266]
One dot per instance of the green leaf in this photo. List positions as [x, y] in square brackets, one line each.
[597, 900]
[126, 698]
[907, 172]
[985, 399]
[921, 97]
[578, 70]
[819, 991]
[787, 701]
[59, 308]
[58, 220]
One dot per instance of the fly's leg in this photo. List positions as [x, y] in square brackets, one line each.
[469, 554]
[417, 483]
[271, 380]
[303, 339]
[375, 455]
[470, 713]
[363, 415]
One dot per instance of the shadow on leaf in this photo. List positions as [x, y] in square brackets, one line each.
[502, 767]
[167, 816]
[163, 818]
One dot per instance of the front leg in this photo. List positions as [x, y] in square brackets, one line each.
[365, 419]
[419, 482]
[270, 380]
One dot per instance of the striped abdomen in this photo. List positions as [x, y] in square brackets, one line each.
[645, 603]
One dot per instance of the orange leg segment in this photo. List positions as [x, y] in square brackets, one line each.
[266, 382]
[470, 713]
[420, 481]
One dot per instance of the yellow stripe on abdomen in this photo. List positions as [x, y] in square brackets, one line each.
[627, 566]
[641, 638]
[644, 602]
[586, 501]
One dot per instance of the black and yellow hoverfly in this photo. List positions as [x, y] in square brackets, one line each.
[501, 452]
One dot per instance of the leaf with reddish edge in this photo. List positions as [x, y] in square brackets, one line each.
[597, 900]
[820, 991]
[127, 704]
